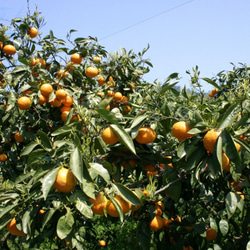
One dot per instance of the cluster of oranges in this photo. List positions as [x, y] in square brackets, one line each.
[213, 92]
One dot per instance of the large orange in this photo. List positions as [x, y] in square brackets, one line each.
[9, 49]
[18, 137]
[111, 210]
[33, 32]
[180, 130]
[61, 94]
[46, 89]
[99, 203]
[109, 136]
[23, 102]
[211, 234]
[12, 228]
[65, 180]
[76, 58]
[156, 224]
[225, 162]
[68, 101]
[117, 96]
[210, 139]
[92, 72]
[145, 135]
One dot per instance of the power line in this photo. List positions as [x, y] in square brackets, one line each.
[147, 19]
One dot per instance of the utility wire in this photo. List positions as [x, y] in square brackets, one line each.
[145, 20]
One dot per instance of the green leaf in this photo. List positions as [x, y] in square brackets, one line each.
[231, 204]
[125, 139]
[104, 103]
[224, 227]
[107, 115]
[65, 130]
[126, 194]
[76, 164]
[98, 169]
[229, 116]
[210, 81]
[11, 101]
[45, 141]
[166, 87]
[48, 216]
[217, 155]
[36, 157]
[28, 149]
[48, 181]
[84, 209]
[65, 224]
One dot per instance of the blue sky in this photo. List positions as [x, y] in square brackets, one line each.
[181, 33]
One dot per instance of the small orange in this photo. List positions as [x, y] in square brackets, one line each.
[64, 115]
[241, 195]
[97, 58]
[125, 206]
[76, 58]
[23, 102]
[65, 108]
[126, 109]
[110, 93]
[18, 137]
[1, 45]
[65, 180]
[41, 212]
[124, 100]
[27, 92]
[56, 103]
[92, 72]
[9, 49]
[156, 224]
[211, 234]
[238, 146]
[109, 136]
[33, 32]
[41, 61]
[210, 139]
[46, 89]
[42, 99]
[101, 80]
[102, 243]
[215, 91]
[3, 157]
[62, 73]
[12, 228]
[180, 130]
[225, 162]
[99, 203]
[145, 135]
[117, 96]
[151, 170]
[61, 94]
[211, 94]
[68, 101]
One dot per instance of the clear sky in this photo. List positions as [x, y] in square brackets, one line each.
[181, 33]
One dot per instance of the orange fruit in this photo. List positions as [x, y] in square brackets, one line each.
[145, 192]
[33, 32]
[132, 85]
[124, 100]
[236, 185]
[211, 234]
[166, 223]
[65, 108]
[76, 58]
[97, 58]
[62, 73]
[241, 195]
[145, 135]
[26, 92]
[65, 180]
[1, 45]
[211, 94]
[92, 72]
[99, 203]
[23, 102]
[131, 163]
[180, 130]
[210, 139]
[225, 162]
[161, 204]
[101, 80]
[46, 89]
[3, 157]
[12, 228]
[9, 49]
[41, 212]
[56, 103]
[110, 93]
[215, 91]
[64, 115]
[102, 243]
[101, 94]
[158, 210]
[151, 170]
[67, 101]
[42, 99]
[126, 109]
[60, 94]
[238, 146]
[117, 96]
[18, 137]
[109, 136]
[111, 210]
[156, 224]
[39, 60]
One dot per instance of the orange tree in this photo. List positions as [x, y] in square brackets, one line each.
[94, 156]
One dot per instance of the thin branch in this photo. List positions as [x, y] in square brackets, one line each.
[167, 186]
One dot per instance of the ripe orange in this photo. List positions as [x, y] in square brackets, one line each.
[110, 93]
[18, 137]
[3, 157]
[9, 49]
[215, 91]
[101, 80]
[24, 102]
[180, 130]
[238, 146]
[211, 234]
[109, 136]
[33, 32]
[102, 243]
[241, 195]
[97, 58]
[145, 135]
[111, 210]
[41, 212]
[210, 139]
[60, 94]
[46, 89]
[26, 92]
[62, 73]
[124, 100]
[65, 180]
[1, 45]
[99, 204]
[166, 223]
[65, 108]
[12, 228]
[56, 103]
[210, 94]
[117, 96]
[92, 72]
[36, 61]
[67, 101]
[156, 224]
[225, 162]
[42, 99]
[76, 58]
[64, 115]
[126, 109]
